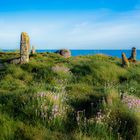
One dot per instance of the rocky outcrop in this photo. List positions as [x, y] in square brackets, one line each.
[24, 48]
[133, 55]
[33, 50]
[125, 62]
[64, 52]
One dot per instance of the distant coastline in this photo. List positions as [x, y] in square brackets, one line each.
[114, 53]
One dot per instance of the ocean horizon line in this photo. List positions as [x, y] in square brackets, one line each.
[113, 53]
[73, 49]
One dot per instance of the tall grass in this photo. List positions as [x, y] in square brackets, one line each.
[81, 98]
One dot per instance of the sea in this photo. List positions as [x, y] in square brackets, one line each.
[114, 53]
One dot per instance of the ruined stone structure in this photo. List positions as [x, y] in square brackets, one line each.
[24, 48]
[133, 55]
[65, 53]
[33, 50]
[125, 62]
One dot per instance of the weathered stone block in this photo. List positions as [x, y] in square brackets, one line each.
[24, 48]
[125, 62]
[64, 52]
[133, 55]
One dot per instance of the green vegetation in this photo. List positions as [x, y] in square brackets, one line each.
[79, 98]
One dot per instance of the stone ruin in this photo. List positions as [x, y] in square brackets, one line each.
[133, 55]
[33, 50]
[24, 50]
[125, 61]
[132, 58]
[64, 52]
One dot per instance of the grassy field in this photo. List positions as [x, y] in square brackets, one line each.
[80, 98]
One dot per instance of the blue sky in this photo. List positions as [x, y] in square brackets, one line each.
[73, 24]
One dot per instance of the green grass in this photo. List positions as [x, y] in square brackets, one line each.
[78, 98]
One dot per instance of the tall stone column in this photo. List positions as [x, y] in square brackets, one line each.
[24, 48]
[133, 55]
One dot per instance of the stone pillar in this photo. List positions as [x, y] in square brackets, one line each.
[33, 50]
[125, 62]
[24, 48]
[133, 55]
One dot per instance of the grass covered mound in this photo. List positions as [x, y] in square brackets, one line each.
[79, 98]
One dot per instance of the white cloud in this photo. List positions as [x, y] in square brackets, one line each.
[86, 30]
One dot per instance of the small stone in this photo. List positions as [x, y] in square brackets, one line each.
[33, 50]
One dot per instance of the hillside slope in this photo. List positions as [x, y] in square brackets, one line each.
[80, 98]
